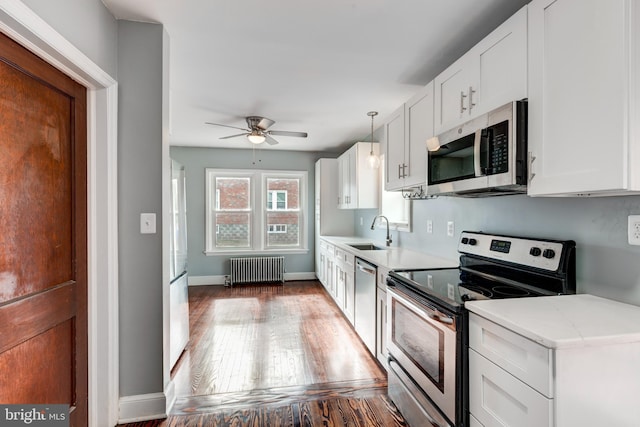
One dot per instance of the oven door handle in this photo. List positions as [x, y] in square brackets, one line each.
[430, 311]
[439, 317]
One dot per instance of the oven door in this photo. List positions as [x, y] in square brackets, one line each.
[422, 339]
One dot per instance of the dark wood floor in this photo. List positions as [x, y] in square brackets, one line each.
[273, 355]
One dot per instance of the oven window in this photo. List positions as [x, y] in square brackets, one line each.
[420, 341]
[453, 161]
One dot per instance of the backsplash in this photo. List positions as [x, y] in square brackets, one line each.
[606, 264]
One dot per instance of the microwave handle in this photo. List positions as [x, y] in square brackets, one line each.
[476, 153]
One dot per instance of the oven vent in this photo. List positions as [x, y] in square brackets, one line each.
[257, 270]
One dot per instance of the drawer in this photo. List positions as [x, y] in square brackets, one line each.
[323, 245]
[526, 360]
[331, 250]
[349, 259]
[498, 399]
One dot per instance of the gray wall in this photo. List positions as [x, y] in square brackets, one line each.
[606, 264]
[196, 160]
[87, 24]
[140, 127]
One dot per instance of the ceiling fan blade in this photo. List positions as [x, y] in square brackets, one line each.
[232, 136]
[227, 126]
[265, 123]
[270, 140]
[287, 133]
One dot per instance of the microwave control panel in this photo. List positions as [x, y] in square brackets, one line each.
[497, 154]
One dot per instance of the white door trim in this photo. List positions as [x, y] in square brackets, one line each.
[27, 28]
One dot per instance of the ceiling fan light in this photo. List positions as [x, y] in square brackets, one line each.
[256, 138]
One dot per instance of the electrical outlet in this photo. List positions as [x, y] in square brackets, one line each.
[429, 226]
[633, 230]
[450, 228]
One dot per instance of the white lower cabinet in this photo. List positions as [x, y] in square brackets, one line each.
[517, 382]
[381, 317]
[508, 375]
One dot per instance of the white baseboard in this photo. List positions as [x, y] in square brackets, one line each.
[219, 280]
[300, 276]
[142, 407]
[206, 280]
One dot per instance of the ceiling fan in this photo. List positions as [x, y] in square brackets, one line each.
[257, 131]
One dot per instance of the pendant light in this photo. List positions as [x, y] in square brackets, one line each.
[374, 160]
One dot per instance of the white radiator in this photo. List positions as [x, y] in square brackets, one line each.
[257, 269]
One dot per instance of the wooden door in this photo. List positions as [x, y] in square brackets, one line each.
[43, 234]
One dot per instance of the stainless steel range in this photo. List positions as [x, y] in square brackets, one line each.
[427, 328]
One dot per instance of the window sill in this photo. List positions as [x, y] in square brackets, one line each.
[264, 252]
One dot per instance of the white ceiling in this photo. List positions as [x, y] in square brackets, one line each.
[313, 66]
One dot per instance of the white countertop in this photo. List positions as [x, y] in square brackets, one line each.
[392, 257]
[564, 321]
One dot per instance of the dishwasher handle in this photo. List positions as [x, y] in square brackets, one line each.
[367, 270]
[365, 267]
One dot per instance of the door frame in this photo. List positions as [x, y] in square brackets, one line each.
[25, 27]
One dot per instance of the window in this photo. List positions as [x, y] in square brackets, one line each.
[277, 228]
[277, 200]
[254, 211]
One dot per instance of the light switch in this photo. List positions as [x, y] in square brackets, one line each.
[148, 223]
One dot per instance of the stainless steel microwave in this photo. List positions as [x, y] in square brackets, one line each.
[486, 156]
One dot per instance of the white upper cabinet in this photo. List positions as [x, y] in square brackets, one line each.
[584, 64]
[394, 149]
[492, 73]
[407, 131]
[357, 182]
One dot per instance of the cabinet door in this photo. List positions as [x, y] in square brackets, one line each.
[352, 182]
[381, 327]
[339, 289]
[578, 86]
[394, 156]
[452, 94]
[344, 180]
[349, 293]
[502, 66]
[419, 127]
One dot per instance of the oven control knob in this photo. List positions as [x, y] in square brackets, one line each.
[535, 251]
[549, 253]
[465, 240]
[473, 242]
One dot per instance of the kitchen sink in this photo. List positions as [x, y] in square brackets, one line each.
[366, 246]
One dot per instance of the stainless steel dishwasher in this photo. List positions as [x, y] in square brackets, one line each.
[365, 303]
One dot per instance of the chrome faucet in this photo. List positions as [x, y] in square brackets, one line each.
[373, 224]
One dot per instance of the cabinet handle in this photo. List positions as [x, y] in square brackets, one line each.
[471, 103]
[399, 171]
[532, 158]
[404, 170]
[462, 97]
